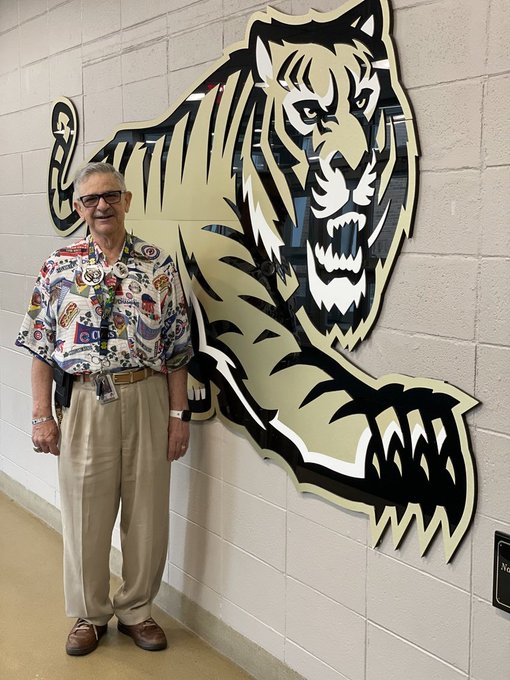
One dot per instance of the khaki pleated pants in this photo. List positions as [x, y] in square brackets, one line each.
[110, 454]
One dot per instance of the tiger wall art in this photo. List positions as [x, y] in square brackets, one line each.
[284, 183]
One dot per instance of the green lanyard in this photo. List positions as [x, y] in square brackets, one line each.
[110, 295]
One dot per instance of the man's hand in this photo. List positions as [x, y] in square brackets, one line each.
[178, 430]
[45, 437]
[178, 438]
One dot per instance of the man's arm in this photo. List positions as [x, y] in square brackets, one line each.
[178, 430]
[44, 435]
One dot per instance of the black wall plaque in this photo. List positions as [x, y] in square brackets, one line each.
[501, 590]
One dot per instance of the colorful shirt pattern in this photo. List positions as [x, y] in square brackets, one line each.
[148, 326]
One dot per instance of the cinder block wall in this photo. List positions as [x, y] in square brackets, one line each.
[289, 572]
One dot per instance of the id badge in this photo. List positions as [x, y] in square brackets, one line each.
[105, 388]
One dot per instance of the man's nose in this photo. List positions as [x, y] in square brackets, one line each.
[102, 204]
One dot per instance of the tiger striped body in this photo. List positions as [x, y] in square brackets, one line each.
[285, 183]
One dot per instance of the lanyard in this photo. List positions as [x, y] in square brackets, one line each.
[107, 304]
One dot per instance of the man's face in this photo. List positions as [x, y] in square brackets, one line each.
[104, 220]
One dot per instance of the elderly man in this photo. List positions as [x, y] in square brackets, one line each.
[110, 312]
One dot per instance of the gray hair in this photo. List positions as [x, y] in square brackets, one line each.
[97, 168]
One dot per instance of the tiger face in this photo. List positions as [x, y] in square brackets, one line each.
[340, 110]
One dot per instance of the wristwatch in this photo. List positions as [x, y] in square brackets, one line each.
[182, 415]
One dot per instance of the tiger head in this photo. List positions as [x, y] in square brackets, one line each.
[335, 104]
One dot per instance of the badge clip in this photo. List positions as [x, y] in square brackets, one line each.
[105, 388]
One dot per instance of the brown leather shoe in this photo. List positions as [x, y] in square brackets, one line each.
[147, 635]
[84, 637]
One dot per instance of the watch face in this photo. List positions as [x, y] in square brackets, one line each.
[186, 415]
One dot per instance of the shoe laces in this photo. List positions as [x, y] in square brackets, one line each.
[81, 624]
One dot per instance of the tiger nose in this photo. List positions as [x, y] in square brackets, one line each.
[347, 139]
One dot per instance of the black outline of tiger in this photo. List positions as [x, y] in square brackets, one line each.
[395, 448]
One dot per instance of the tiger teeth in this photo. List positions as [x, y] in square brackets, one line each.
[343, 220]
[333, 262]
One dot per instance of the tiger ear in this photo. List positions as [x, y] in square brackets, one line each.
[368, 26]
[367, 17]
[263, 62]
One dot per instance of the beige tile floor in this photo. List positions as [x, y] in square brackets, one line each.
[33, 626]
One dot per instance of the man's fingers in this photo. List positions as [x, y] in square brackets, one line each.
[176, 450]
[45, 438]
[178, 438]
[49, 448]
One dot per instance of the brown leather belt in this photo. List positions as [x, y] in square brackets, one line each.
[122, 377]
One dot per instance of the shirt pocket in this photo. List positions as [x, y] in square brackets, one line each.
[146, 325]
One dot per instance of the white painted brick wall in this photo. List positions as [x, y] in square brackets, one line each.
[420, 608]
[449, 56]
[329, 631]
[291, 572]
[390, 656]
[322, 567]
[100, 18]
[495, 211]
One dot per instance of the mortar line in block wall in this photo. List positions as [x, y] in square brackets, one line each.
[471, 612]
[321, 594]
[121, 36]
[247, 493]
[476, 337]
[365, 664]
[412, 644]
[485, 430]
[442, 83]
[169, 98]
[286, 583]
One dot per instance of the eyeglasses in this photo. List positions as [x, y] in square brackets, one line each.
[111, 197]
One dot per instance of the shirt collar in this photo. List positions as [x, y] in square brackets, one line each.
[100, 257]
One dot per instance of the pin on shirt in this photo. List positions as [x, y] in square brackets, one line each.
[120, 270]
[93, 274]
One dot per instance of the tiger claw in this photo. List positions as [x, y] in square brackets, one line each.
[196, 392]
[400, 520]
[416, 472]
[389, 426]
[199, 397]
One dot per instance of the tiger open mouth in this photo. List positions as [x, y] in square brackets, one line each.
[337, 262]
[343, 254]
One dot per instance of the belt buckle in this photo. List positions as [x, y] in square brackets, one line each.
[122, 377]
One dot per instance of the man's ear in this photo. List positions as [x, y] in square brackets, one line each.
[78, 207]
[127, 200]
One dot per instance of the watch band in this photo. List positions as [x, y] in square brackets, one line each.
[44, 419]
[182, 415]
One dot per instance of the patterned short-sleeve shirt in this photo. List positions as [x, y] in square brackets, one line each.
[148, 325]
